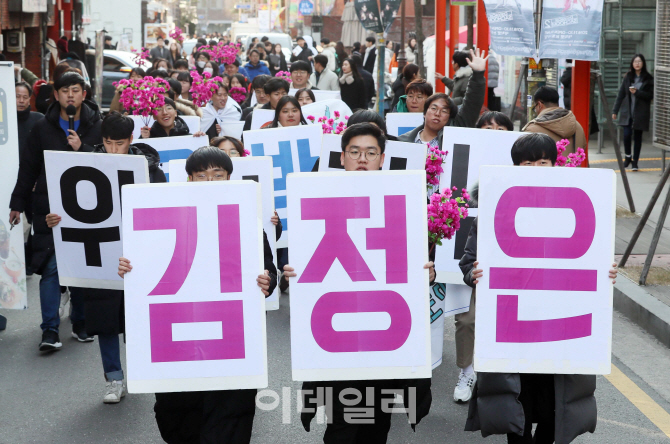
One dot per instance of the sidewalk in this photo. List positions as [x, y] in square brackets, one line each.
[648, 306]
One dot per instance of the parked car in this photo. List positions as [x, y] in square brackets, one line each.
[116, 66]
[275, 37]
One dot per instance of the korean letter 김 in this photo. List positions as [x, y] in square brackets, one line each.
[360, 306]
[545, 244]
[195, 317]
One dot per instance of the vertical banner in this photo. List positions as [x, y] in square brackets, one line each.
[359, 305]
[545, 244]
[512, 27]
[178, 147]
[85, 191]
[389, 12]
[293, 150]
[195, 317]
[468, 148]
[368, 14]
[13, 293]
[398, 124]
[571, 29]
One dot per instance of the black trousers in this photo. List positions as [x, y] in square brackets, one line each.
[632, 135]
[537, 398]
[225, 416]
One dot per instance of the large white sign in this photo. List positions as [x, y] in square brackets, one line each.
[12, 259]
[293, 150]
[258, 169]
[359, 303]
[178, 147]
[327, 108]
[85, 191]
[468, 148]
[193, 123]
[399, 155]
[261, 118]
[545, 244]
[398, 124]
[195, 317]
[232, 130]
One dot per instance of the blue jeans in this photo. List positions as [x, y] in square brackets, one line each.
[50, 298]
[111, 357]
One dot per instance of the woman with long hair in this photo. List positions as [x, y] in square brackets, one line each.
[410, 49]
[340, 55]
[175, 51]
[409, 73]
[352, 87]
[163, 65]
[305, 96]
[201, 58]
[238, 88]
[288, 113]
[229, 145]
[633, 105]
[277, 60]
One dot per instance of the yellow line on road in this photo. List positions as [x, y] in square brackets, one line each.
[649, 408]
[642, 170]
[614, 160]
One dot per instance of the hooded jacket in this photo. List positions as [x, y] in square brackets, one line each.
[47, 135]
[459, 84]
[559, 123]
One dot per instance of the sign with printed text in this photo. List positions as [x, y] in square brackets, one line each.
[359, 305]
[258, 169]
[195, 317]
[85, 191]
[545, 245]
[293, 150]
[397, 155]
[398, 124]
[468, 148]
[177, 147]
[571, 30]
[193, 123]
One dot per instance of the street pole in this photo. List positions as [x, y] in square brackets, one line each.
[402, 58]
[99, 47]
[440, 34]
[454, 23]
[381, 50]
[483, 39]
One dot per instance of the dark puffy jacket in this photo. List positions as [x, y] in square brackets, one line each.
[26, 120]
[304, 55]
[47, 135]
[180, 129]
[354, 94]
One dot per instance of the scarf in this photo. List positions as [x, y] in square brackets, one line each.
[349, 78]
[230, 113]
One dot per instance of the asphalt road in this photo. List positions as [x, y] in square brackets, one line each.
[57, 397]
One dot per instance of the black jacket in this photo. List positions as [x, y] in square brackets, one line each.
[26, 120]
[47, 134]
[369, 82]
[247, 119]
[354, 95]
[180, 129]
[398, 88]
[369, 64]
[643, 97]
[304, 55]
[277, 60]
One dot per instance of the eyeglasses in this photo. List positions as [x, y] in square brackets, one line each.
[534, 108]
[437, 110]
[370, 155]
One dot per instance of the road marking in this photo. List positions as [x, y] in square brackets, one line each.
[614, 160]
[640, 170]
[640, 399]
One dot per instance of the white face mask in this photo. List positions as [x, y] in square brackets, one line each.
[162, 68]
[209, 70]
[201, 64]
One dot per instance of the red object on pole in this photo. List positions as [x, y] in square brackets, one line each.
[483, 39]
[581, 99]
[440, 47]
[454, 22]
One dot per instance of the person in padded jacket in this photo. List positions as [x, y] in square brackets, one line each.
[221, 416]
[563, 406]
[52, 133]
[167, 123]
[104, 308]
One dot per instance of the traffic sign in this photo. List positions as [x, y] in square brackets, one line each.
[243, 6]
[305, 7]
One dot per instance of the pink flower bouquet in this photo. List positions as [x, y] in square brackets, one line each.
[445, 214]
[142, 57]
[284, 75]
[330, 125]
[203, 88]
[434, 161]
[177, 35]
[238, 94]
[144, 96]
[573, 160]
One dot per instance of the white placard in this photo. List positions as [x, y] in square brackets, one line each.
[544, 304]
[13, 294]
[398, 155]
[260, 117]
[248, 168]
[84, 190]
[468, 148]
[327, 108]
[193, 123]
[177, 147]
[446, 300]
[361, 252]
[293, 149]
[232, 130]
[200, 283]
[398, 124]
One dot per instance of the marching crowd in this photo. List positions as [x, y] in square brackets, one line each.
[564, 406]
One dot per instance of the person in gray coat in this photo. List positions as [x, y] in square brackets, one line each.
[462, 75]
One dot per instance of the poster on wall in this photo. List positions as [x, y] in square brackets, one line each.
[154, 30]
[368, 14]
[13, 293]
[571, 29]
[512, 27]
[545, 245]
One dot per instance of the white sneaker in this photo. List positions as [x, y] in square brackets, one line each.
[115, 390]
[64, 299]
[463, 390]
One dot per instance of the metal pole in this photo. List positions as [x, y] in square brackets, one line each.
[381, 50]
[99, 47]
[440, 47]
[402, 59]
[654, 240]
[523, 70]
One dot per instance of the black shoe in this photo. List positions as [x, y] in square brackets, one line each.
[79, 332]
[627, 161]
[50, 341]
[634, 166]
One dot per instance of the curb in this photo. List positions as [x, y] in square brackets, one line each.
[645, 310]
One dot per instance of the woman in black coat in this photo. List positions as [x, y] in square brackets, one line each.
[633, 105]
[277, 60]
[352, 87]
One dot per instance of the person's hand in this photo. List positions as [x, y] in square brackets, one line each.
[14, 217]
[124, 266]
[613, 273]
[264, 282]
[477, 274]
[431, 273]
[289, 272]
[17, 70]
[439, 76]
[199, 134]
[53, 220]
[145, 132]
[73, 140]
[310, 58]
[275, 219]
[632, 90]
[218, 129]
[477, 61]
[613, 116]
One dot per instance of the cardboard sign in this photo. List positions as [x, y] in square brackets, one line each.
[327, 108]
[545, 244]
[398, 124]
[195, 317]
[178, 147]
[261, 118]
[359, 305]
[398, 155]
[319, 94]
[468, 149]
[258, 169]
[293, 149]
[446, 300]
[193, 123]
[85, 191]
[232, 130]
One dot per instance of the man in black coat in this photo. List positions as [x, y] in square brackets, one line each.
[370, 55]
[305, 54]
[52, 133]
[160, 51]
[369, 81]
